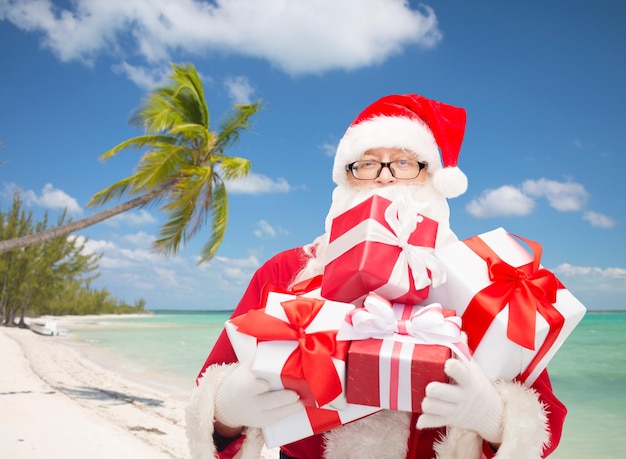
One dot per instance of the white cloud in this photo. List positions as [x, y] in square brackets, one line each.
[144, 77]
[598, 220]
[131, 272]
[504, 201]
[567, 269]
[167, 277]
[257, 184]
[51, 198]
[251, 262]
[264, 229]
[140, 217]
[235, 273]
[298, 37]
[239, 89]
[92, 246]
[329, 149]
[564, 197]
[116, 256]
[519, 201]
[136, 266]
[140, 239]
[8, 190]
[597, 288]
[232, 270]
[139, 255]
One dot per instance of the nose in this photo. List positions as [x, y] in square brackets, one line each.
[385, 177]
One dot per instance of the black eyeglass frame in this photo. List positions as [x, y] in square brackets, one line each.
[421, 165]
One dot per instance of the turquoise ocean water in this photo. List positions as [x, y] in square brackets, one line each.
[588, 373]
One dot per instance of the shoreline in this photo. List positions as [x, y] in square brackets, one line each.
[102, 414]
[72, 327]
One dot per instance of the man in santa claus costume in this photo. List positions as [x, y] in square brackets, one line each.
[405, 148]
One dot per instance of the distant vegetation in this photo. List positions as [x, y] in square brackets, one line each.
[50, 278]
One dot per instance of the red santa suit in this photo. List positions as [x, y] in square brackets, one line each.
[532, 418]
[532, 427]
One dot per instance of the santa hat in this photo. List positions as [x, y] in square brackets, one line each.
[415, 123]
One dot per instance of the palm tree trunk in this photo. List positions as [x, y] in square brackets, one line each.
[68, 228]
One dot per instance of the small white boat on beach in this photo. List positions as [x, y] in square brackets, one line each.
[47, 327]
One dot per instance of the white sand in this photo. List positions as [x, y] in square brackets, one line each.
[56, 404]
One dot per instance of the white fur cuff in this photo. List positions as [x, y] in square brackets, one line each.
[525, 425]
[199, 417]
[524, 428]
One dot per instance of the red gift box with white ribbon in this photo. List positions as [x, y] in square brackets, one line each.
[380, 246]
[396, 350]
[516, 313]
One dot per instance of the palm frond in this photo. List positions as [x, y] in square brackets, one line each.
[117, 190]
[158, 112]
[172, 234]
[137, 143]
[191, 132]
[182, 208]
[156, 166]
[233, 167]
[219, 222]
[234, 123]
[179, 101]
[188, 186]
[191, 88]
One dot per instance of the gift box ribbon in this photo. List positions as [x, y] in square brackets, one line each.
[527, 290]
[309, 368]
[322, 420]
[421, 260]
[427, 325]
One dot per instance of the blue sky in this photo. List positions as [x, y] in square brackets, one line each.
[543, 83]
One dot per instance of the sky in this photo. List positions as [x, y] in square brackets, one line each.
[543, 83]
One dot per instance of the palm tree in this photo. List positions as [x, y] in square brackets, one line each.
[183, 167]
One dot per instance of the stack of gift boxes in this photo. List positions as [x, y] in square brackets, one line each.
[389, 310]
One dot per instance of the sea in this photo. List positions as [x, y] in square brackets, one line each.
[167, 349]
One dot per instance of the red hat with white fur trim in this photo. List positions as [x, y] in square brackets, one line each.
[425, 127]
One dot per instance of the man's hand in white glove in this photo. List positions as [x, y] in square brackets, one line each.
[472, 403]
[245, 400]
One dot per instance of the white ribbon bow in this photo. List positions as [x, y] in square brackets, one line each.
[418, 258]
[428, 325]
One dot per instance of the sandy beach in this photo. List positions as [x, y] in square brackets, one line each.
[56, 404]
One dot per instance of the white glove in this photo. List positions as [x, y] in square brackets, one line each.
[245, 400]
[472, 403]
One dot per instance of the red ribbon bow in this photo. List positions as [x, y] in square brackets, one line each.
[527, 290]
[309, 370]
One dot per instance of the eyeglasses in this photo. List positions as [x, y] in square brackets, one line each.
[401, 170]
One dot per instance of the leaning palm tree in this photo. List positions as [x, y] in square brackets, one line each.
[183, 167]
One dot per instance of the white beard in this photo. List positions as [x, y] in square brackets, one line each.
[415, 197]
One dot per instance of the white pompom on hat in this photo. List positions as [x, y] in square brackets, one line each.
[423, 126]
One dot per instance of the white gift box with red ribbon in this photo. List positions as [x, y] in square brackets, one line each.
[296, 346]
[270, 356]
[516, 313]
[311, 421]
